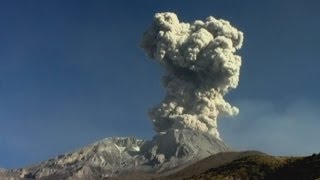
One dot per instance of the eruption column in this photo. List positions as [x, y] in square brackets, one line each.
[201, 67]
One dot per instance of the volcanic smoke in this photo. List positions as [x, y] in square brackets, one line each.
[201, 68]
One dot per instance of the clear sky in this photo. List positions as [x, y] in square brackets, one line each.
[72, 72]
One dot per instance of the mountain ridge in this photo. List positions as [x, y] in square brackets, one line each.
[112, 157]
[223, 165]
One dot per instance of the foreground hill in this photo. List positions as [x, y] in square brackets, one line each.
[261, 166]
[210, 162]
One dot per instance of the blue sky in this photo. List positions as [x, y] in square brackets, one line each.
[72, 72]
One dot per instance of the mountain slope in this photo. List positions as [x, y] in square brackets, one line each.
[224, 165]
[265, 167]
[117, 157]
[210, 162]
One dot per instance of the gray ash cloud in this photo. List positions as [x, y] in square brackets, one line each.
[201, 68]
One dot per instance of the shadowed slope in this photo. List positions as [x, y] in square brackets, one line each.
[266, 167]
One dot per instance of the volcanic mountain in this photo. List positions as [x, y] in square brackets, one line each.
[115, 157]
[201, 67]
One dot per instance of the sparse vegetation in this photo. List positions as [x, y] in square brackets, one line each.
[258, 167]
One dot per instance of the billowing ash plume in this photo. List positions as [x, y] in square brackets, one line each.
[201, 68]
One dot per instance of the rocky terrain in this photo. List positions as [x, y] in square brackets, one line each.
[97, 162]
[165, 154]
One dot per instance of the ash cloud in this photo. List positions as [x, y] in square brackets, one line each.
[289, 127]
[201, 68]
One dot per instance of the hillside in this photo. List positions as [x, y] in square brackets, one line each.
[210, 162]
[265, 167]
[245, 165]
[120, 157]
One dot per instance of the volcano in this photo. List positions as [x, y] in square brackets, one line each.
[165, 154]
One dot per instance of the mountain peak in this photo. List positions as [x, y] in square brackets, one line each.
[115, 156]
